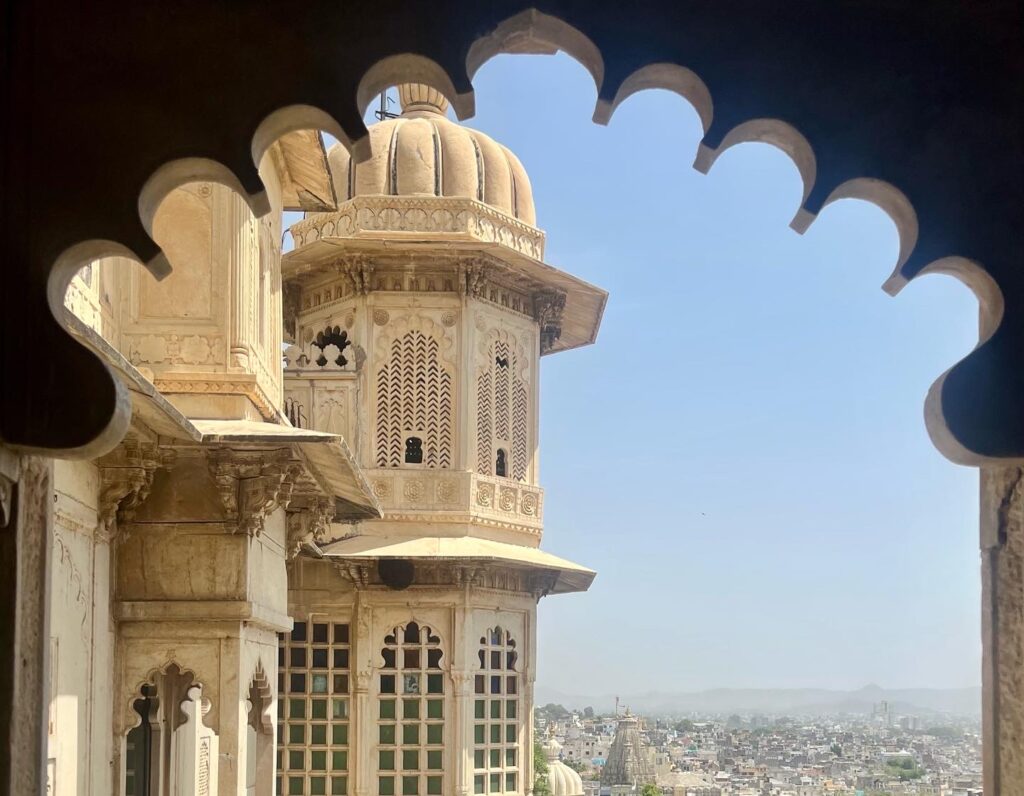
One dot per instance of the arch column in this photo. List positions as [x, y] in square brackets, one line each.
[1002, 629]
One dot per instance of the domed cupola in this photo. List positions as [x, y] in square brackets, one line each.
[562, 780]
[422, 153]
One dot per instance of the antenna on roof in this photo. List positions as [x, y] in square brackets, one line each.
[382, 112]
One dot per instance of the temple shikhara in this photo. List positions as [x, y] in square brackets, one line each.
[314, 563]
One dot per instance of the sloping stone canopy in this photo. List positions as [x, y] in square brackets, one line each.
[916, 106]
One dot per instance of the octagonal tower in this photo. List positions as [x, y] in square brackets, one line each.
[418, 313]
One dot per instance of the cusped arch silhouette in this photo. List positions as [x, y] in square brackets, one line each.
[748, 80]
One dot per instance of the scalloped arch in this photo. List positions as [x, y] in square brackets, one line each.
[532, 31]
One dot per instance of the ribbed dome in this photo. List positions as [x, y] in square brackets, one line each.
[562, 780]
[422, 153]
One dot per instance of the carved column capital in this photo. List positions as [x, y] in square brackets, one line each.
[462, 682]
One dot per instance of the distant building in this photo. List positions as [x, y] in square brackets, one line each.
[628, 766]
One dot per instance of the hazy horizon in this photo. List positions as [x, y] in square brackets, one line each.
[742, 455]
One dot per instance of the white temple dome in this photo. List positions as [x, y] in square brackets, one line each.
[562, 780]
[423, 153]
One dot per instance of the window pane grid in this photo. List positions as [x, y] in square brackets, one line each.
[411, 714]
[313, 709]
[496, 715]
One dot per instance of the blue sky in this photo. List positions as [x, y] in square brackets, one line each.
[742, 455]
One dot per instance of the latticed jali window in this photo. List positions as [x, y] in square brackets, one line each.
[415, 399]
[496, 752]
[502, 434]
[313, 709]
[411, 714]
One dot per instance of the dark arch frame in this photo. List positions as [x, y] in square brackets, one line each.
[914, 105]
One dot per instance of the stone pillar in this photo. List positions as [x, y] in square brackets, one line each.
[239, 309]
[462, 697]
[1002, 614]
[363, 721]
[26, 527]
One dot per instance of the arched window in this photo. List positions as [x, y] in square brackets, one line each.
[332, 335]
[411, 714]
[496, 712]
[502, 413]
[313, 708]
[151, 746]
[413, 450]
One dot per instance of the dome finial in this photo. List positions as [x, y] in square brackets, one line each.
[417, 97]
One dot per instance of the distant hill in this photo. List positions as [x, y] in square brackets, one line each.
[794, 701]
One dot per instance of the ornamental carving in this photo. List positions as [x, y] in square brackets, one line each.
[381, 317]
[358, 271]
[529, 504]
[310, 525]
[456, 215]
[174, 349]
[252, 484]
[485, 495]
[447, 491]
[412, 489]
[127, 477]
[382, 488]
[507, 499]
[548, 307]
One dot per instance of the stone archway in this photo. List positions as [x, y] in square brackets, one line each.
[949, 146]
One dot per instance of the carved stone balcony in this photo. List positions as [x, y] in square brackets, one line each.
[458, 496]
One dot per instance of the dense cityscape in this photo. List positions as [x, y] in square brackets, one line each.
[878, 754]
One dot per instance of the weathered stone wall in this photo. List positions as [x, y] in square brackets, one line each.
[81, 638]
[1002, 578]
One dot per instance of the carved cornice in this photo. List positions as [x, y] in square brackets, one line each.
[247, 386]
[127, 477]
[442, 216]
[310, 525]
[479, 576]
[252, 484]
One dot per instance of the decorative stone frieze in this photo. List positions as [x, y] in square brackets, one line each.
[432, 495]
[450, 215]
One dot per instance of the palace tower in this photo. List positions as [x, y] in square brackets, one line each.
[418, 312]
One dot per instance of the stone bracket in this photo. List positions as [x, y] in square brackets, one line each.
[548, 306]
[127, 477]
[252, 484]
[310, 525]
